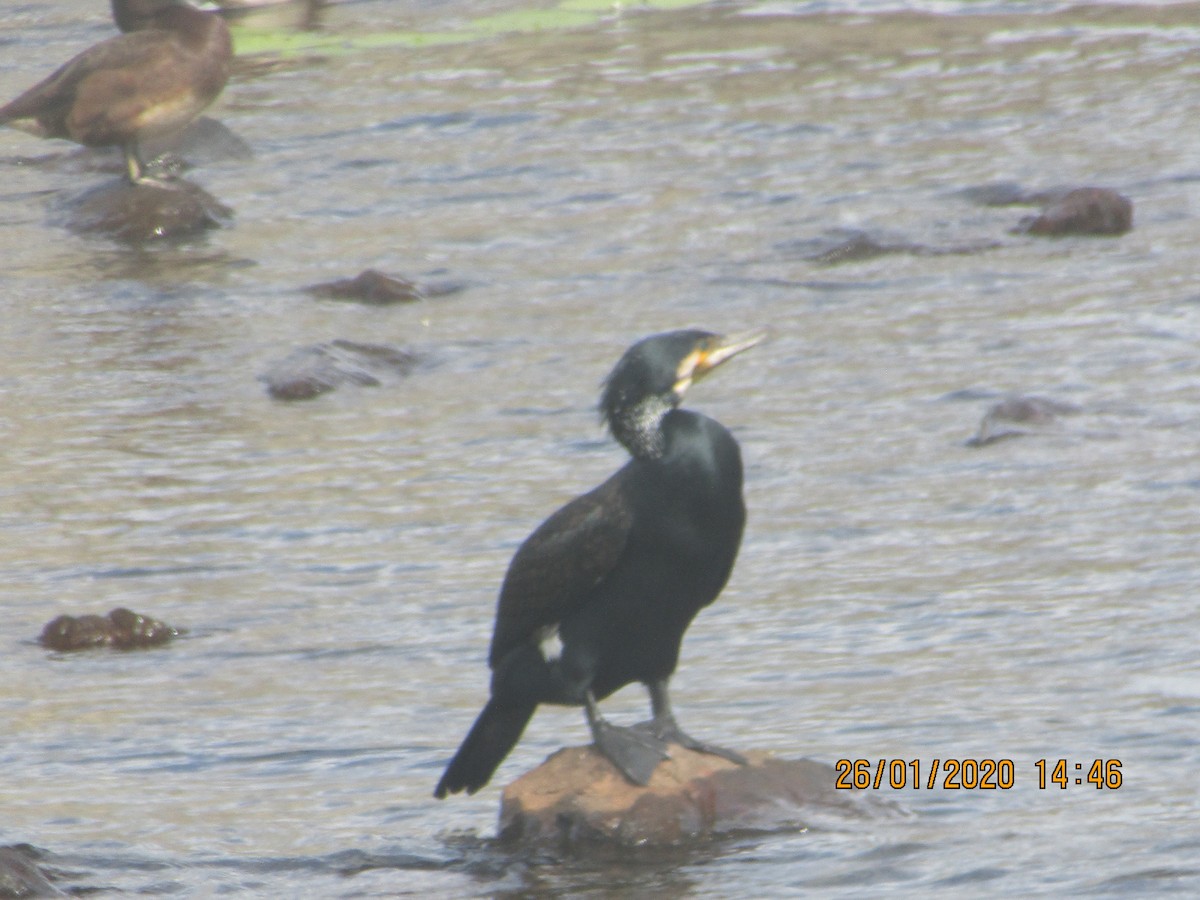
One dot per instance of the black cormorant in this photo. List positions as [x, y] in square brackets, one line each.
[599, 596]
[165, 71]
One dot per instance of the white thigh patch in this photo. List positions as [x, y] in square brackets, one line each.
[550, 643]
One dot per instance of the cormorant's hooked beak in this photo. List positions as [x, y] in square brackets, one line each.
[711, 353]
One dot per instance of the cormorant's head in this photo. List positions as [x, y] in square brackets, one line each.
[653, 375]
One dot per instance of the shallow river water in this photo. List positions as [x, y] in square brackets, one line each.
[900, 594]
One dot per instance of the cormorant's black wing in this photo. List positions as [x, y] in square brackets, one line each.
[560, 564]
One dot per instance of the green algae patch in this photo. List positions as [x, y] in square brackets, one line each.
[564, 16]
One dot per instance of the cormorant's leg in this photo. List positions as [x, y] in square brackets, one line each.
[664, 727]
[636, 753]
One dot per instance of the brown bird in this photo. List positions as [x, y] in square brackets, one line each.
[170, 65]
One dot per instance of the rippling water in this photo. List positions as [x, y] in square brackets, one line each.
[899, 594]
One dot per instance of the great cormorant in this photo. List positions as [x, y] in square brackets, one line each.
[155, 79]
[600, 594]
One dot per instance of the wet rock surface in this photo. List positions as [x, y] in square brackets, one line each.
[121, 629]
[576, 798]
[145, 212]
[311, 371]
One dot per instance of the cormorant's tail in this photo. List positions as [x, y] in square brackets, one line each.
[490, 739]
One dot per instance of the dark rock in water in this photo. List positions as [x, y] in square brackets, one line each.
[1082, 211]
[312, 371]
[146, 211]
[21, 876]
[121, 629]
[370, 286]
[1028, 413]
[379, 289]
[577, 797]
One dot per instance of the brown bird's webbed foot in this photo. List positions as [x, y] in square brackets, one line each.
[634, 752]
[663, 727]
[135, 171]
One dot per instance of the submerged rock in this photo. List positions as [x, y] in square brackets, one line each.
[315, 370]
[1017, 415]
[21, 876]
[121, 629]
[1087, 210]
[858, 247]
[379, 289]
[849, 246]
[200, 142]
[576, 797]
[146, 211]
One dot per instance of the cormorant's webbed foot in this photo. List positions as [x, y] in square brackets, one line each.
[663, 727]
[670, 733]
[635, 752]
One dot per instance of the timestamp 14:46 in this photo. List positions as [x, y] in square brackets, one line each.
[1102, 773]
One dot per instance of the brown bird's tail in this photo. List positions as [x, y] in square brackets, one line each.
[489, 741]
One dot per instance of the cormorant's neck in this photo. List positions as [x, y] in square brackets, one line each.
[638, 428]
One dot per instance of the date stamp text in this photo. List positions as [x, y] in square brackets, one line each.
[967, 774]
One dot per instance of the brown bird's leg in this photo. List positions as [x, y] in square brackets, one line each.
[133, 162]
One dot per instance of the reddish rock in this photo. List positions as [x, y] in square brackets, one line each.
[576, 797]
[121, 629]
